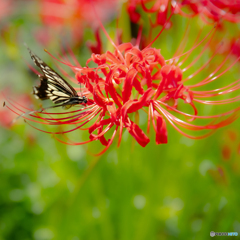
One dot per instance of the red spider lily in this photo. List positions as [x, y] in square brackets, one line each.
[130, 80]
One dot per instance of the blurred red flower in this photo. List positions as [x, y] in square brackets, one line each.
[230, 144]
[6, 8]
[60, 15]
[160, 8]
[214, 10]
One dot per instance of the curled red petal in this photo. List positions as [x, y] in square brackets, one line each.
[138, 134]
[99, 99]
[137, 85]
[161, 131]
[138, 104]
[109, 143]
[113, 111]
[134, 16]
[103, 141]
[98, 59]
[149, 79]
[102, 138]
[127, 85]
[99, 124]
[172, 76]
[109, 87]
[136, 52]
[97, 47]
[160, 88]
[162, 16]
[112, 57]
[125, 47]
[165, 70]
[88, 85]
[123, 111]
[114, 95]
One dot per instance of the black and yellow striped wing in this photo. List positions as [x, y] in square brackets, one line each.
[52, 85]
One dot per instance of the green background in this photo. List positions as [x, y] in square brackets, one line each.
[180, 190]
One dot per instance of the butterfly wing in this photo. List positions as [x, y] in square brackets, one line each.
[52, 85]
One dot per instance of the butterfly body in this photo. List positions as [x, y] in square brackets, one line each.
[54, 87]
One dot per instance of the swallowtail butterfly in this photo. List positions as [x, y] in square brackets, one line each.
[54, 87]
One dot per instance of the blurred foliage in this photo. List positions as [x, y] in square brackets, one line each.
[181, 190]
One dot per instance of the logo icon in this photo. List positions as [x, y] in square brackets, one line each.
[212, 233]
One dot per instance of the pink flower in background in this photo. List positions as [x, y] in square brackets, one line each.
[6, 8]
[60, 12]
[74, 15]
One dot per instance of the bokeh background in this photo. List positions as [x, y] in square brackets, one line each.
[180, 190]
